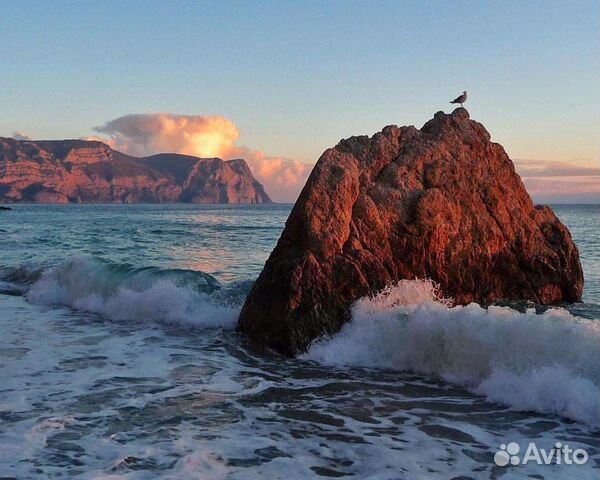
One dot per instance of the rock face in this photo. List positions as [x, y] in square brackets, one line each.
[443, 202]
[78, 171]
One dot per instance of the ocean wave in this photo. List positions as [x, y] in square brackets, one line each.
[123, 292]
[548, 362]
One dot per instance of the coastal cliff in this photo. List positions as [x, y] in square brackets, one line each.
[442, 202]
[79, 171]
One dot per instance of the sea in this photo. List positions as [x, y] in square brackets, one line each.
[119, 359]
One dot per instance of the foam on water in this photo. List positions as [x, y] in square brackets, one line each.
[547, 362]
[123, 293]
[104, 399]
[141, 397]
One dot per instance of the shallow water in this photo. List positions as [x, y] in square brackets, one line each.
[112, 369]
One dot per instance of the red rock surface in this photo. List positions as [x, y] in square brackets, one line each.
[443, 202]
[79, 171]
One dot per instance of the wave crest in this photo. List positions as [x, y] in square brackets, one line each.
[547, 362]
[125, 293]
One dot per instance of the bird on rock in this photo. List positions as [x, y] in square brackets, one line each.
[460, 99]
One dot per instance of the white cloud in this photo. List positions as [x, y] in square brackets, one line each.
[20, 136]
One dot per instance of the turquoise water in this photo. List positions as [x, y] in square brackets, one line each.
[118, 356]
[229, 242]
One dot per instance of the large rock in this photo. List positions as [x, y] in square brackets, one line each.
[80, 171]
[443, 202]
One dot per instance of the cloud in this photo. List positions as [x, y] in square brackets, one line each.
[20, 136]
[147, 134]
[541, 168]
[560, 182]
[203, 136]
[585, 189]
[283, 178]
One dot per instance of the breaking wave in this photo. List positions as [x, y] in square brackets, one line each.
[122, 292]
[548, 362]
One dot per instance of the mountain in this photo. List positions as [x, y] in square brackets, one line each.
[81, 171]
[441, 203]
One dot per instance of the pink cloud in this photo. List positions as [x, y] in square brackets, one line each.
[541, 168]
[564, 190]
[283, 176]
[560, 182]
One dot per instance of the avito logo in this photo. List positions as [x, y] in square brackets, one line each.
[559, 454]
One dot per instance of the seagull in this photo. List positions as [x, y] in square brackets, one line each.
[461, 99]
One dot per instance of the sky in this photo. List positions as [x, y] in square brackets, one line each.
[278, 82]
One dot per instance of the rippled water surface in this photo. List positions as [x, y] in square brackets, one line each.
[118, 359]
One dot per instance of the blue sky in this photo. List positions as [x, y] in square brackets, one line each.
[295, 77]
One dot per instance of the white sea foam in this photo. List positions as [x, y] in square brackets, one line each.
[98, 401]
[124, 294]
[546, 362]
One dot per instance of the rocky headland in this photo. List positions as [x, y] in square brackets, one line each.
[79, 171]
[443, 203]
